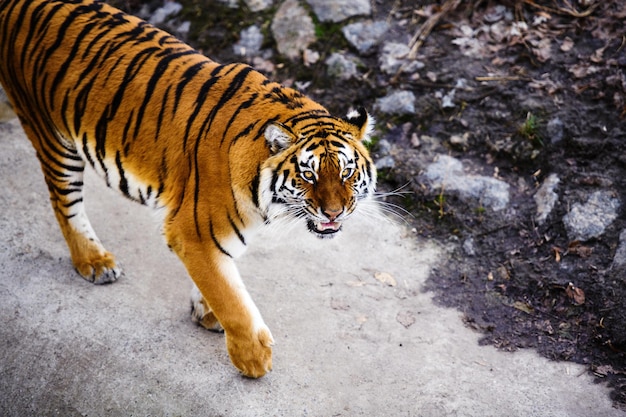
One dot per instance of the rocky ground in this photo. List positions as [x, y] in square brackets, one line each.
[500, 129]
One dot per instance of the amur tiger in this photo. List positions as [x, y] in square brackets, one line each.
[218, 149]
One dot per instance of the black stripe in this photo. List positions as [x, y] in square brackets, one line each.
[243, 133]
[161, 115]
[246, 104]
[200, 102]
[86, 151]
[123, 181]
[217, 243]
[60, 74]
[187, 76]
[73, 202]
[308, 116]
[254, 187]
[236, 229]
[129, 122]
[161, 68]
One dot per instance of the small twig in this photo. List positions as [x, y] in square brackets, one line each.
[423, 31]
[570, 11]
[501, 78]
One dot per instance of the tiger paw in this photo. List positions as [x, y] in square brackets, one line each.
[252, 353]
[98, 269]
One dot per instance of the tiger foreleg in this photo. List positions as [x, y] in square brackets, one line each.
[223, 299]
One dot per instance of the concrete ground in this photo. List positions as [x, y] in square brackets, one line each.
[355, 335]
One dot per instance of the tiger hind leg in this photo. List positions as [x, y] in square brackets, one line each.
[201, 313]
[63, 170]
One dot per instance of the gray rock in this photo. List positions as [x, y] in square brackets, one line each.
[338, 10]
[169, 8]
[365, 35]
[258, 5]
[184, 27]
[397, 102]
[342, 66]
[447, 173]
[394, 58]
[468, 246]
[555, 130]
[233, 4]
[590, 220]
[293, 29]
[620, 254]
[386, 162]
[545, 198]
[384, 147]
[250, 42]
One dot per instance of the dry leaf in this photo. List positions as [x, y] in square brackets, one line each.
[385, 278]
[582, 70]
[575, 294]
[604, 370]
[406, 318]
[557, 253]
[576, 248]
[525, 307]
[567, 44]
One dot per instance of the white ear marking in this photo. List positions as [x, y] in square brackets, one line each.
[278, 136]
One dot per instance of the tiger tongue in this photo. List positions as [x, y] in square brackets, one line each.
[329, 225]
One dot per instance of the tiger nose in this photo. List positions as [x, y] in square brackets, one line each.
[332, 214]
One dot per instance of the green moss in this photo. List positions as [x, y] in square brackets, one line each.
[529, 130]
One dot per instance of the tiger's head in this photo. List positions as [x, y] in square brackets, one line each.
[318, 170]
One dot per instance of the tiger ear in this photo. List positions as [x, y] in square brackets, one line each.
[362, 122]
[278, 137]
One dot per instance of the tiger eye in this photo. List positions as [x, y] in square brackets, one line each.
[308, 176]
[347, 173]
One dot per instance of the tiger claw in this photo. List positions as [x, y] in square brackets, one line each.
[101, 271]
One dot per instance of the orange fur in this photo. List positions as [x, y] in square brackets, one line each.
[218, 147]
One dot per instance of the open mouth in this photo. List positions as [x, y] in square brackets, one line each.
[324, 229]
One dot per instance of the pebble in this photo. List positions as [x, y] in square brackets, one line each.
[447, 173]
[590, 220]
[250, 42]
[620, 254]
[364, 36]
[397, 102]
[168, 9]
[545, 198]
[258, 5]
[338, 10]
[393, 59]
[468, 247]
[555, 130]
[342, 66]
[293, 29]
[386, 162]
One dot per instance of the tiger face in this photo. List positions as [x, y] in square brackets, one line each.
[319, 172]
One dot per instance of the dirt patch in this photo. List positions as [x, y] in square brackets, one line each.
[523, 284]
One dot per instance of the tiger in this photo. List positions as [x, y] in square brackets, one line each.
[217, 150]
